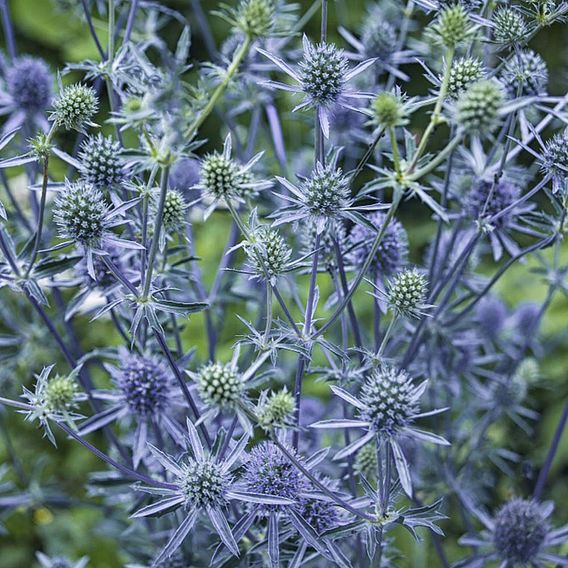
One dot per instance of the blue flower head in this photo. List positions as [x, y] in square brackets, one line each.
[393, 249]
[270, 472]
[145, 382]
[29, 83]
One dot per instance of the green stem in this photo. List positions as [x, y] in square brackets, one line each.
[436, 114]
[43, 200]
[450, 147]
[395, 152]
[157, 230]
[238, 58]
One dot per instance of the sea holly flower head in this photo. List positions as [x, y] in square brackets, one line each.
[555, 161]
[221, 177]
[406, 293]
[75, 107]
[83, 216]
[54, 399]
[509, 26]
[389, 109]
[525, 75]
[387, 406]
[202, 483]
[29, 83]
[101, 163]
[322, 198]
[463, 73]
[478, 107]
[520, 534]
[222, 387]
[322, 77]
[393, 249]
[452, 26]
[275, 410]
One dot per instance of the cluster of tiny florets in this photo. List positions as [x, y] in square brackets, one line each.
[388, 110]
[277, 410]
[366, 461]
[145, 383]
[525, 75]
[378, 37]
[520, 531]
[219, 175]
[184, 174]
[29, 84]
[219, 385]
[174, 210]
[508, 393]
[393, 248]
[75, 107]
[269, 472]
[322, 73]
[407, 292]
[478, 107]
[269, 254]
[389, 398]
[101, 163]
[487, 198]
[555, 160]
[509, 26]
[452, 25]
[60, 394]
[491, 313]
[204, 484]
[463, 73]
[326, 191]
[256, 17]
[80, 212]
[321, 515]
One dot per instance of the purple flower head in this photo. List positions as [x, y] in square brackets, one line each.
[29, 83]
[491, 314]
[555, 161]
[321, 515]
[145, 383]
[504, 194]
[270, 472]
[526, 316]
[184, 175]
[393, 249]
[520, 531]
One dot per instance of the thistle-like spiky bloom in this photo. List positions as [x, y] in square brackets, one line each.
[486, 198]
[555, 160]
[393, 249]
[520, 531]
[255, 18]
[525, 74]
[145, 382]
[75, 107]
[322, 77]
[174, 211]
[509, 26]
[478, 107]
[276, 410]
[101, 163]
[452, 26]
[463, 73]
[268, 254]
[219, 385]
[387, 406]
[80, 213]
[407, 293]
[388, 110]
[270, 472]
[29, 84]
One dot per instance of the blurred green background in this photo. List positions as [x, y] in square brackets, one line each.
[53, 30]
